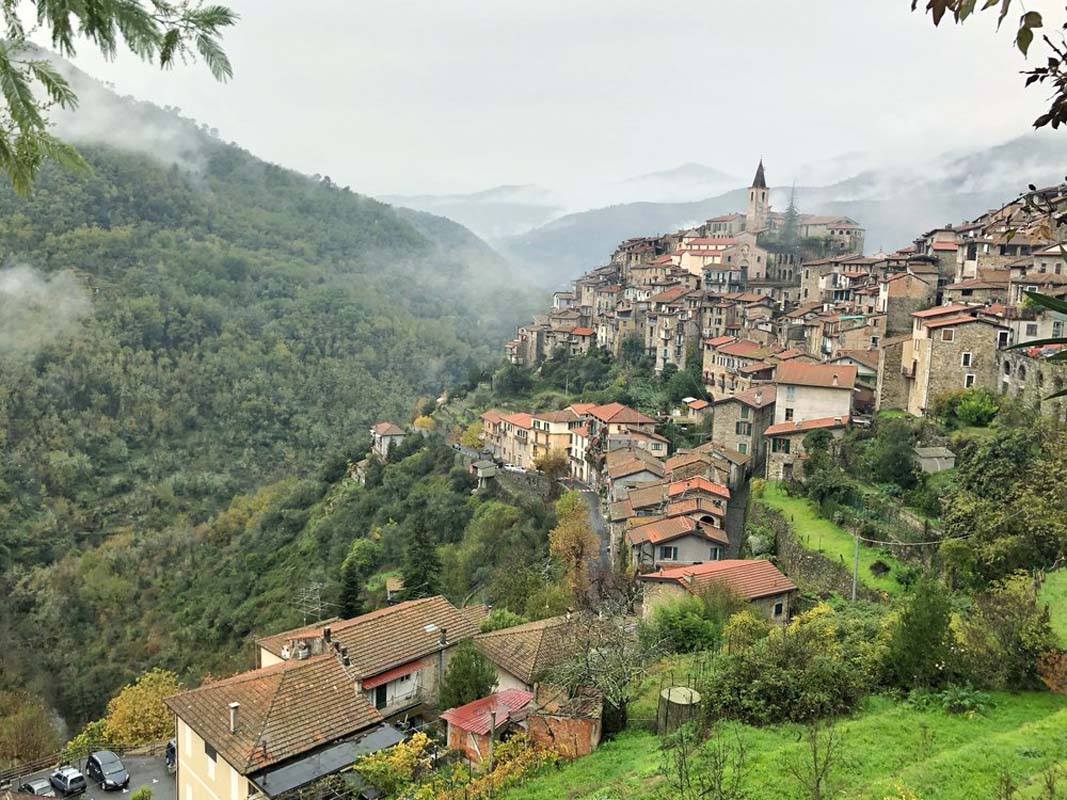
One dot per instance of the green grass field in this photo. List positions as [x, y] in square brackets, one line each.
[1054, 592]
[888, 745]
[823, 536]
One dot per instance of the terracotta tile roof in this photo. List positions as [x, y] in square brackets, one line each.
[634, 466]
[718, 341]
[647, 495]
[566, 415]
[285, 709]
[962, 320]
[697, 405]
[759, 366]
[670, 528]
[697, 484]
[388, 429]
[475, 613]
[680, 460]
[618, 414]
[477, 715]
[527, 650]
[493, 415]
[746, 348]
[693, 505]
[756, 397]
[830, 376]
[868, 358]
[709, 240]
[582, 408]
[390, 636]
[620, 510]
[520, 420]
[752, 579]
[944, 246]
[637, 436]
[722, 451]
[583, 331]
[788, 428]
[939, 311]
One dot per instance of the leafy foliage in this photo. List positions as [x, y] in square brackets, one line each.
[470, 675]
[137, 714]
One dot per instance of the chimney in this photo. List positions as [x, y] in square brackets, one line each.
[346, 661]
[759, 396]
[326, 634]
[835, 379]
[688, 578]
[443, 638]
[233, 716]
[344, 651]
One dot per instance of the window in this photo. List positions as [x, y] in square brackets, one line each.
[742, 448]
[1002, 339]
[1031, 329]
[668, 553]
[779, 609]
[743, 428]
[212, 755]
[744, 411]
[1057, 329]
[788, 415]
[948, 335]
[790, 392]
[716, 553]
[968, 381]
[779, 445]
[965, 360]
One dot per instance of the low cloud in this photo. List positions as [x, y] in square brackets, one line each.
[37, 310]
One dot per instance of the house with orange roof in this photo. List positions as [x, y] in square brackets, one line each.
[813, 391]
[683, 539]
[768, 591]
[785, 443]
[741, 419]
[385, 436]
[952, 348]
[517, 439]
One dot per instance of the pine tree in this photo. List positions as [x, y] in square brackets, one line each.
[421, 569]
[791, 223]
[469, 676]
[352, 604]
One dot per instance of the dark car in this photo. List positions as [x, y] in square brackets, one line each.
[106, 769]
[67, 781]
[39, 787]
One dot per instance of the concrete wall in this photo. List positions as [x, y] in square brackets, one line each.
[691, 550]
[202, 778]
[812, 402]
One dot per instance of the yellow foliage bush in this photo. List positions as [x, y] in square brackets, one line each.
[425, 423]
[138, 715]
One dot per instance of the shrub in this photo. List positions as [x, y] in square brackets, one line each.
[957, 699]
[685, 625]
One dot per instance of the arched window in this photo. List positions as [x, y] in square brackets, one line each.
[1021, 374]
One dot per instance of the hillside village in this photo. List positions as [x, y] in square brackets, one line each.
[789, 345]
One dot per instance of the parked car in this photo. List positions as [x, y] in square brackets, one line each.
[107, 769]
[67, 781]
[39, 787]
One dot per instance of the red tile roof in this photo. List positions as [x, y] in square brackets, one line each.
[285, 709]
[669, 528]
[618, 414]
[961, 320]
[520, 420]
[387, 429]
[756, 397]
[829, 376]
[493, 415]
[944, 246]
[752, 579]
[477, 716]
[697, 484]
[583, 331]
[719, 340]
[939, 311]
[787, 428]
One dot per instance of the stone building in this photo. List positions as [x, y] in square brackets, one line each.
[785, 444]
[948, 353]
[1028, 376]
[739, 421]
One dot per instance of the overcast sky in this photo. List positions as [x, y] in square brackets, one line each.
[458, 95]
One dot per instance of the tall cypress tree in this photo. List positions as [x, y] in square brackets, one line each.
[421, 569]
[352, 603]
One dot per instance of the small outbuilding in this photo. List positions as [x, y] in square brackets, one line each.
[472, 728]
[935, 459]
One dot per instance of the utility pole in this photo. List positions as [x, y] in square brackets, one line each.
[856, 567]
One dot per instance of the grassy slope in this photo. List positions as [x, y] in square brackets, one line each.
[1054, 592]
[940, 757]
[823, 536]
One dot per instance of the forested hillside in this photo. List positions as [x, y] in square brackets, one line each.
[173, 336]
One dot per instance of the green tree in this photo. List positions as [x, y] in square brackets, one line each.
[161, 31]
[470, 675]
[920, 646]
[421, 570]
[891, 457]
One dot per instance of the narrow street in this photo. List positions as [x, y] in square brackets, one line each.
[735, 519]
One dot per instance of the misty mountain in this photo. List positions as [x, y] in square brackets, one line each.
[894, 204]
[180, 326]
[684, 183]
[491, 214]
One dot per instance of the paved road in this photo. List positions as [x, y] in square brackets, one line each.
[735, 519]
[600, 525]
[150, 771]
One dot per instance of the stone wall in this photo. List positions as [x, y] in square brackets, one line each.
[812, 572]
[1031, 380]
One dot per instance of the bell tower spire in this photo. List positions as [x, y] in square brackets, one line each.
[756, 214]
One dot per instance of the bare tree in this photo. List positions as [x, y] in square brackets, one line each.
[812, 768]
[718, 775]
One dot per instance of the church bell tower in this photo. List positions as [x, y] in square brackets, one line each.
[756, 215]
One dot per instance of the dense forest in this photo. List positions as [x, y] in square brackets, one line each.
[173, 338]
